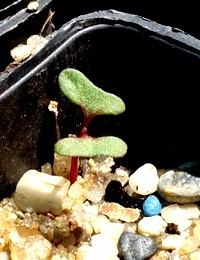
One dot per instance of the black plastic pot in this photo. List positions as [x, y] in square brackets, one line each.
[17, 23]
[153, 68]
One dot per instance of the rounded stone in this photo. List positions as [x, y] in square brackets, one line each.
[179, 187]
[144, 180]
[134, 246]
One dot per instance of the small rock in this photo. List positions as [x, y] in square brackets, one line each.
[33, 6]
[163, 255]
[76, 190]
[40, 192]
[28, 244]
[112, 230]
[151, 226]
[100, 221]
[102, 248]
[133, 246]
[144, 180]
[176, 214]
[20, 52]
[172, 242]
[116, 211]
[181, 185]
[94, 194]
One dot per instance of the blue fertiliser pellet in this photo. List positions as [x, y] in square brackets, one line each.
[151, 206]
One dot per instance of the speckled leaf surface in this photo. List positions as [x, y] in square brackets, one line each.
[81, 91]
[91, 147]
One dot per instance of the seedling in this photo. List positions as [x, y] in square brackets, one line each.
[93, 101]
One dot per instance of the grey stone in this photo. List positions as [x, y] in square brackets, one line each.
[133, 246]
[179, 186]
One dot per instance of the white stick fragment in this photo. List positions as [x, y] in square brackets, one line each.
[53, 107]
[41, 193]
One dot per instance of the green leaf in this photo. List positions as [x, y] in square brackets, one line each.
[81, 91]
[91, 147]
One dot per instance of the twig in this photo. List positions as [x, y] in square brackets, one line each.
[49, 18]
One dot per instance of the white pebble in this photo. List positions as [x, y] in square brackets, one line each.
[151, 226]
[40, 192]
[82, 251]
[176, 214]
[33, 6]
[144, 180]
[94, 194]
[90, 211]
[172, 242]
[175, 255]
[36, 43]
[112, 230]
[99, 222]
[20, 52]
[102, 247]
[183, 225]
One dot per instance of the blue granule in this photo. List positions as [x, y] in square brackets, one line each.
[151, 206]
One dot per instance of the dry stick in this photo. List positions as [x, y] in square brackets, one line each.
[49, 18]
[53, 107]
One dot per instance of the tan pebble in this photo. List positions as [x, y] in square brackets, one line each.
[78, 220]
[77, 209]
[2, 243]
[161, 255]
[67, 204]
[28, 244]
[92, 162]
[75, 191]
[69, 240]
[190, 244]
[116, 211]
[196, 232]
[62, 165]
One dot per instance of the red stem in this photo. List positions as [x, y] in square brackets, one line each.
[74, 160]
[74, 169]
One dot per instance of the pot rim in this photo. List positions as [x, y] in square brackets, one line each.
[98, 19]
